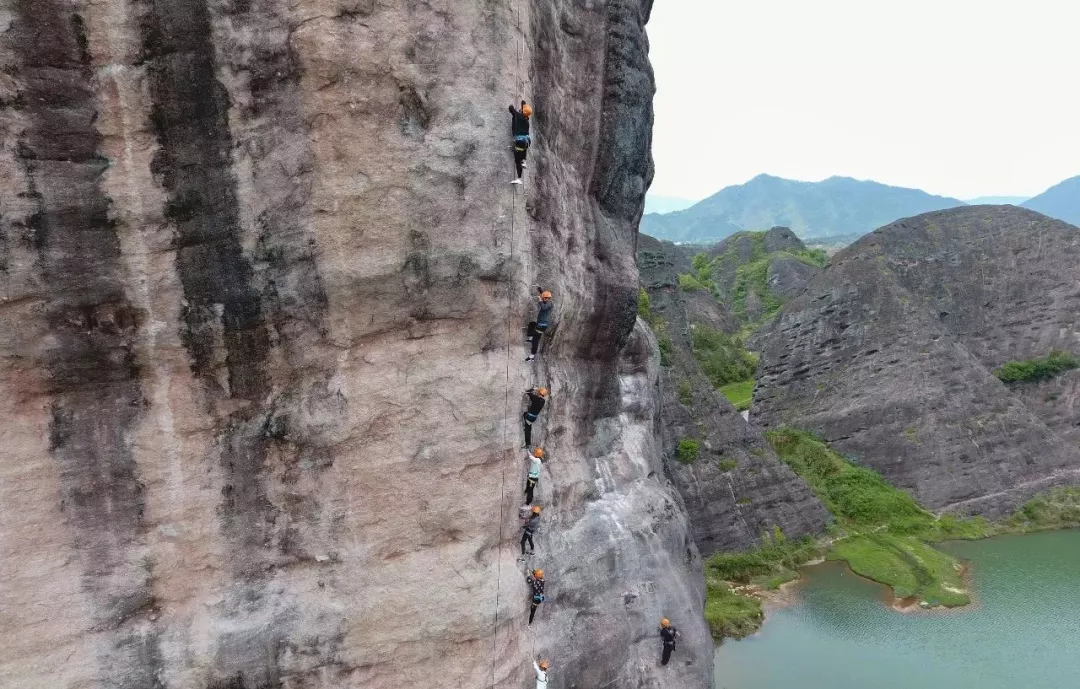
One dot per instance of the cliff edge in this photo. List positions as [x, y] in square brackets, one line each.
[262, 282]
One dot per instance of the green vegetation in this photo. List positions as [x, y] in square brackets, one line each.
[732, 614]
[1043, 368]
[728, 613]
[663, 341]
[723, 360]
[688, 450]
[774, 553]
[643, 305]
[911, 567]
[688, 283]
[728, 464]
[686, 392]
[881, 532]
[1058, 509]
[739, 393]
[753, 277]
[886, 532]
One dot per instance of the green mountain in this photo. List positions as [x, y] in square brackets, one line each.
[838, 205]
[1061, 201]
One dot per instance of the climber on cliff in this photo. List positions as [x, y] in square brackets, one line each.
[541, 673]
[536, 581]
[536, 461]
[527, 531]
[668, 634]
[537, 398]
[519, 127]
[543, 318]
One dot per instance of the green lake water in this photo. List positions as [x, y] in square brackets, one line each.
[1022, 631]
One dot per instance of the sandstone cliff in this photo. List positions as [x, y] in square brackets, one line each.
[737, 488]
[888, 354]
[259, 269]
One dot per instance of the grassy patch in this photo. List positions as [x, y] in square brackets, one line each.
[643, 308]
[773, 555]
[880, 532]
[739, 393]
[775, 561]
[686, 392]
[690, 283]
[727, 464]
[723, 360]
[906, 564]
[687, 452]
[888, 533]
[730, 614]
[1058, 509]
[1043, 368]
[753, 277]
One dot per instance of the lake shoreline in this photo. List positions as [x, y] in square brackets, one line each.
[1026, 608]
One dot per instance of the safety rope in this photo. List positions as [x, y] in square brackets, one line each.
[506, 389]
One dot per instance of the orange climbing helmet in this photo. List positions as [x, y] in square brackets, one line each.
[538, 574]
[546, 295]
[536, 509]
[538, 453]
[543, 665]
[665, 623]
[542, 392]
[526, 110]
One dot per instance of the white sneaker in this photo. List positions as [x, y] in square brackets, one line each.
[516, 181]
[530, 358]
[524, 164]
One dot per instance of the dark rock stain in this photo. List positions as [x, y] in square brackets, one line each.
[190, 117]
[91, 365]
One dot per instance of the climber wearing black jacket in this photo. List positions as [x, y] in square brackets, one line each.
[668, 634]
[529, 530]
[519, 128]
[536, 583]
[537, 399]
[543, 318]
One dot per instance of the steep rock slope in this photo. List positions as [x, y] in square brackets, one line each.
[1061, 201]
[737, 488]
[838, 205]
[258, 268]
[888, 354]
[776, 249]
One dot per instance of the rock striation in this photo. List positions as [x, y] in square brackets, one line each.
[261, 285]
[888, 355]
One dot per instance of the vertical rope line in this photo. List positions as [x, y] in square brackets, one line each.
[506, 389]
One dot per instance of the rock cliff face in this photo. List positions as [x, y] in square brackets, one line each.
[259, 269]
[889, 352]
[737, 488]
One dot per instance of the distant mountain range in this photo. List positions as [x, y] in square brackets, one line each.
[666, 204]
[996, 200]
[835, 206]
[1061, 201]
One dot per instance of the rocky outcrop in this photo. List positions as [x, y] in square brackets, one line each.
[888, 355]
[787, 276]
[776, 245]
[737, 488]
[262, 280]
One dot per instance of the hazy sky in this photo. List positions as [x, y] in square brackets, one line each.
[961, 98]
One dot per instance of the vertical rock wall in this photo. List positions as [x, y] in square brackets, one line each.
[259, 267]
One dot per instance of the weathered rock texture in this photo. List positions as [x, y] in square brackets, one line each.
[729, 506]
[771, 246]
[259, 265]
[888, 354]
